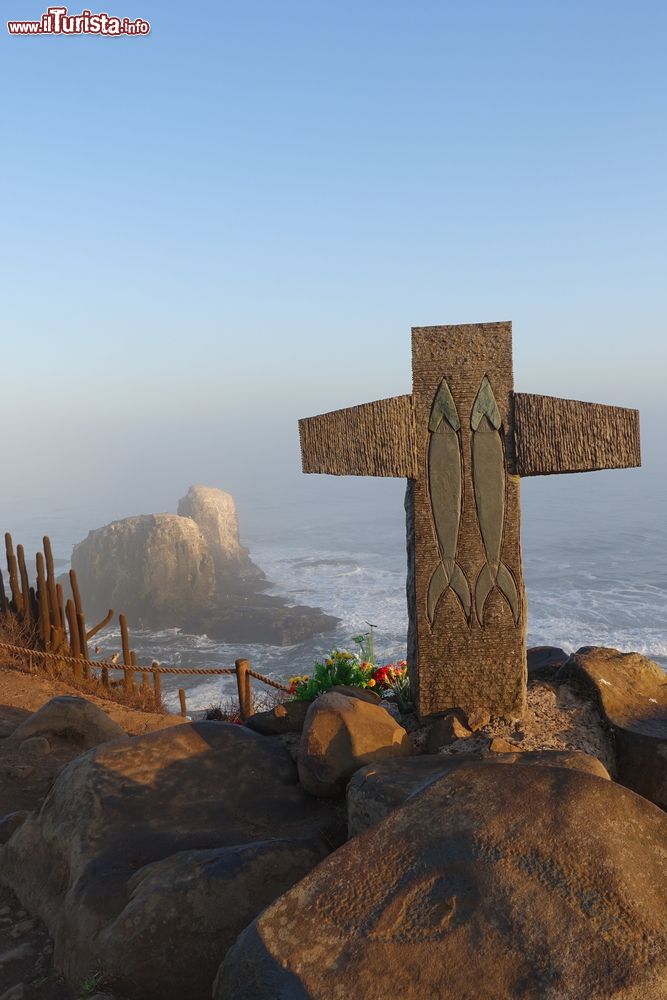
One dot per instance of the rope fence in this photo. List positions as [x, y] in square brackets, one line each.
[81, 666]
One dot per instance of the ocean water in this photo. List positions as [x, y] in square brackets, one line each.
[594, 550]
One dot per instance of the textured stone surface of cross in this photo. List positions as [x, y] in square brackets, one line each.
[463, 439]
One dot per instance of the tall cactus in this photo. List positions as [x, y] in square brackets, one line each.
[80, 617]
[43, 602]
[17, 604]
[54, 609]
[25, 583]
[3, 595]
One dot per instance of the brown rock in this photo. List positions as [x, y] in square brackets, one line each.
[494, 882]
[71, 718]
[151, 854]
[500, 745]
[364, 694]
[445, 731]
[287, 717]
[378, 789]
[477, 718]
[545, 661]
[342, 734]
[632, 694]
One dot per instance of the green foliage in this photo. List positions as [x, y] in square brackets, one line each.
[401, 691]
[340, 667]
[92, 985]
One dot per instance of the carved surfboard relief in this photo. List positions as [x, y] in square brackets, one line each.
[488, 473]
[445, 488]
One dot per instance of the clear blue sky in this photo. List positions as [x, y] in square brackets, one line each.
[233, 222]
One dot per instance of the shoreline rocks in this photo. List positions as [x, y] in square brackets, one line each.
[188, 570]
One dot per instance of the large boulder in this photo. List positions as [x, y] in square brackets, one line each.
[214, 512]
[340, 735]
[154, 567]
[188, 570]
[377, 789]
[150, 855]
[530, 882]
[632, 695]
[70, 718]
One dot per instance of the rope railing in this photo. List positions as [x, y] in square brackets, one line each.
[241, 670]
[55, 631]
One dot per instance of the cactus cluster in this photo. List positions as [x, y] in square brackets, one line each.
[52, 624]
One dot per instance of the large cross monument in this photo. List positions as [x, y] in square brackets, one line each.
[462, 439]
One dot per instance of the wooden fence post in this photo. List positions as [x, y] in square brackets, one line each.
[244, 685]
[181, 698]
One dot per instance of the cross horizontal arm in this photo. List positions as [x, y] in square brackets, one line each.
[374, 439]
[554, 435]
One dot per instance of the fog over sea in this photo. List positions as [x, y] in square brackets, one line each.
[594, 548]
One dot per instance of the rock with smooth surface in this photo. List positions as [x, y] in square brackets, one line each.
[288, 717]
[378, 789]
[545, 661]
[145, 843]
[494, 883]
[632, 694]
[73, 719]
[340, 735]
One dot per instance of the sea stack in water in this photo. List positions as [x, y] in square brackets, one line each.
[188, 570]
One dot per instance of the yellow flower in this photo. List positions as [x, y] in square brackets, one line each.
[328, 662]
[371, 683]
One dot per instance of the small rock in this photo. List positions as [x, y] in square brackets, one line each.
[288, 717]
[445, 731]
[35, 746]
[545, 661]
[500, 745]
[477, 718]
[73, 719]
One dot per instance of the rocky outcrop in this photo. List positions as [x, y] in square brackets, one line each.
[632, 696]
[340, 735]
[155, 567]
[519, 881]
[378, 789]
[151, 854]
[188, 570]
[74, 719]
[214, 513]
